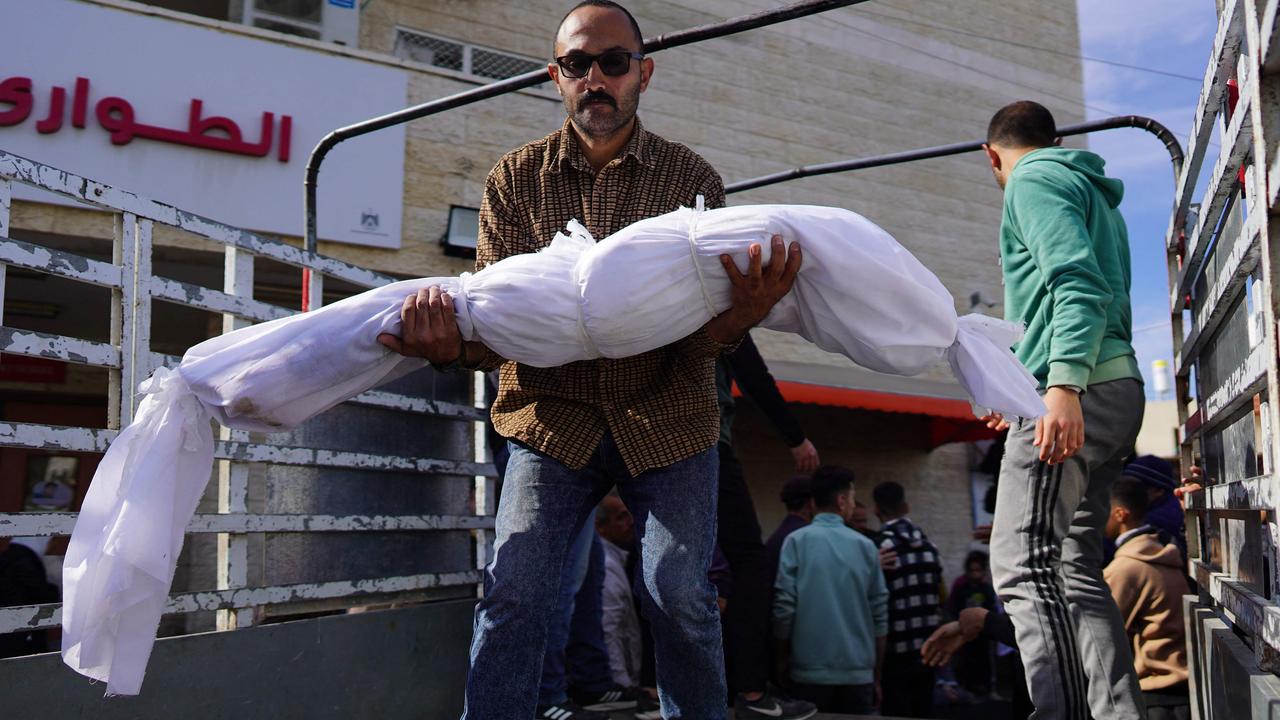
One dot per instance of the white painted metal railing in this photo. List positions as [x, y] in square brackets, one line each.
[129, 359]
[1224, 297]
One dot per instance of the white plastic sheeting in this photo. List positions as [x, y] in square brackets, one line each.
[858, 293]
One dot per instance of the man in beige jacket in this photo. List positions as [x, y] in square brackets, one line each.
[1147, 581]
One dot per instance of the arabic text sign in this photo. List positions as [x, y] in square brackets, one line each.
[208, 121]
[116, 116]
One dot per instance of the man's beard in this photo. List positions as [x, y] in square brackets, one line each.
[601, 126]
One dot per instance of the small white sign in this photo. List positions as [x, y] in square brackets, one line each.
[213, 122]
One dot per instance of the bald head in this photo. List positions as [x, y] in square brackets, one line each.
[602, 106]
[593, 18]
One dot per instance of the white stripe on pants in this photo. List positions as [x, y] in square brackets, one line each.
[1046, 557]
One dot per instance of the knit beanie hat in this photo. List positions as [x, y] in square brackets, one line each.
[1151, 471]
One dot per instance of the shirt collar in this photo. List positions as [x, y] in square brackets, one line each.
[1127, 536]
[827, 518]
[638, 148]
[618, 550]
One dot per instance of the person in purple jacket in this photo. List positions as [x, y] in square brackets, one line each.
[1165, 510]
[797, 496]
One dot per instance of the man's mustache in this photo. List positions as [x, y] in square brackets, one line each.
[594, 96]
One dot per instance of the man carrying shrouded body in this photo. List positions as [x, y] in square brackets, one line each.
[647, 424]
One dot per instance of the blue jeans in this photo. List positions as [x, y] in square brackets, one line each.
[553, 688]
[586, 655]
[544, 504]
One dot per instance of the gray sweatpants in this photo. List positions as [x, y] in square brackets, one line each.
[1046, 560]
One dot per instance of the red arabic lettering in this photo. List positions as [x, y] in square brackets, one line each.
[286, 132]
[121, 127]
[116, 116]
[80, 105]
[53, 123]
[15, 91]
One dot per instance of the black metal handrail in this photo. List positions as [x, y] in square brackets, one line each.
[529, 79]
[1123, 121]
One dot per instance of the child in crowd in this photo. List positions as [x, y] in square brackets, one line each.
[1147, 581]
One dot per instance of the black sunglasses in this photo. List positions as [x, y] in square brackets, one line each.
[612, 63]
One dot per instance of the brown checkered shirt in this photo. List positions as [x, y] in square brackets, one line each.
[660, 406]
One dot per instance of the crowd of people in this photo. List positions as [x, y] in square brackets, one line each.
[862, 621]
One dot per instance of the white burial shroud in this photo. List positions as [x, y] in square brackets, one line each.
[858, 293]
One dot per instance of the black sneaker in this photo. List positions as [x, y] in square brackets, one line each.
[616, 698]
[647, 708]
[770, 707]
[567, 711]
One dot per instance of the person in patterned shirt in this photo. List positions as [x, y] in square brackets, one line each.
[915, 585]
[647, 424]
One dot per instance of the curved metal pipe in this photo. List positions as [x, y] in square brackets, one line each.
[1122, 121]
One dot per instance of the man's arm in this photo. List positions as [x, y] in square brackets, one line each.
[753, 293]
[1050, 218]
[784, 609]
[878, 594]
[699, 344]
[753, 377]
[429, 327]
[499, 220]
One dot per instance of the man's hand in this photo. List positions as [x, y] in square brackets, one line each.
[429, 328]
[971, 622]
[888, 559]
[755, 293]
[1060, 432]
[1190, 484]
[995, 421]
[806, 457]
[942, 644]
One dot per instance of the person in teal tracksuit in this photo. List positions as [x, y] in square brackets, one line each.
[831, 605]
[1065, 256]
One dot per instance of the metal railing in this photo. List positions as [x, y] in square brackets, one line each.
[666, 41]
[128, 358]
[1112, 123]
[1223, 296]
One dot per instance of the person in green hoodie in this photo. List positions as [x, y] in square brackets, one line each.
[831, 604]
[1065, 255]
